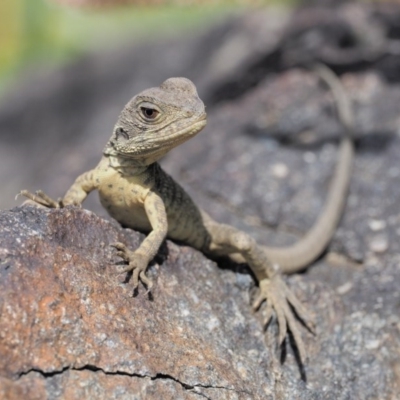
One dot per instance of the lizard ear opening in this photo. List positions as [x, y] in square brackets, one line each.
[121, 132]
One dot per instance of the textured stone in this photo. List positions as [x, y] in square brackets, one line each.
[66, 317]
[71, 329]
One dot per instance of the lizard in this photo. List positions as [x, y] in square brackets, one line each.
[136, 191]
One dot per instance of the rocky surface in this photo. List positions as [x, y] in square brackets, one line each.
[70, 327]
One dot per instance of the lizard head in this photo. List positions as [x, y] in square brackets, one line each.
[157, 120]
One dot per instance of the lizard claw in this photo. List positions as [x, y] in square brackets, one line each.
[41, 198]
[279, 298]
[136, 263]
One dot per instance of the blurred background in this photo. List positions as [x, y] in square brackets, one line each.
[56, 58]
[67, 67]
[34, 32]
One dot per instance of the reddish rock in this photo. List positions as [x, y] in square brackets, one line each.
[67, 318]
[70, 328]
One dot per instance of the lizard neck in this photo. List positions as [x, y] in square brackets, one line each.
[127, 166]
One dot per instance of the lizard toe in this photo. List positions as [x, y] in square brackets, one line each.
[303, 314]
[282, 302]
[145, 280]
[118, 246]
[40, 198]
[137, 263]
[122, 255]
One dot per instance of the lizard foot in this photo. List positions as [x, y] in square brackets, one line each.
[136, 263]
[279, 298]
[41, 198]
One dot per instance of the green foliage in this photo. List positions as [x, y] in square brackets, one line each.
[40, 31]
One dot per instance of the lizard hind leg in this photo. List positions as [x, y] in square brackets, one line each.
[227, 240]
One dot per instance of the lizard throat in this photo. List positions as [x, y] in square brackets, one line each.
[127, 166]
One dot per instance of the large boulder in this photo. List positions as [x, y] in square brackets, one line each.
[71, 328]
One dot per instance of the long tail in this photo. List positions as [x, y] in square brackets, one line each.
[294, 258]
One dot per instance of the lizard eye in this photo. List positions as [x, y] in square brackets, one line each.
[149, 113]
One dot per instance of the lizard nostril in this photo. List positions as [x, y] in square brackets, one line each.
[121, 132]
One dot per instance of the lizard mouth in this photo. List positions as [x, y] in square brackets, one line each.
[184, 134]
[159, 145]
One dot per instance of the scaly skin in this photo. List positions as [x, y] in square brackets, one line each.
[140, 195]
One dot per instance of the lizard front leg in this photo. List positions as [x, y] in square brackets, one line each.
[139, 259]
[75, 195]
[227, 240]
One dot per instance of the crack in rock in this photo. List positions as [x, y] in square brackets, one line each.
[158, 376]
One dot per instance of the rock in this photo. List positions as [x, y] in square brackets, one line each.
[71, 329]
[379, 244]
